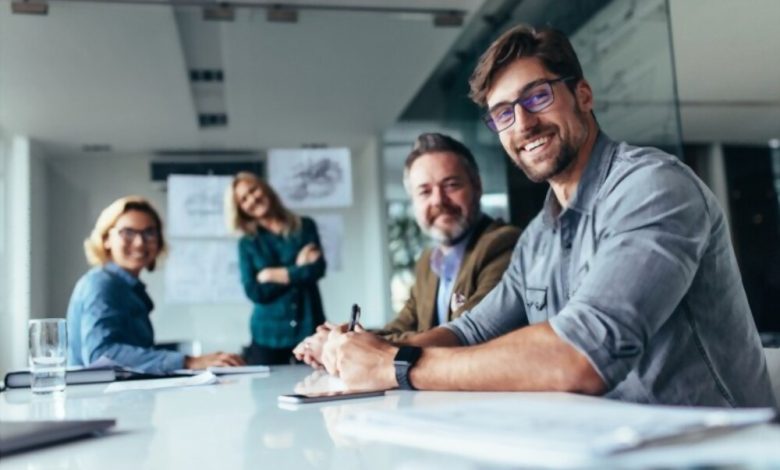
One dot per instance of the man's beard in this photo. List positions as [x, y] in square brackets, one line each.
[457, 230]
[561, 162]
[565, 157]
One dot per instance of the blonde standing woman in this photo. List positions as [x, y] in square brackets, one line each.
[108, 313]
[281, 260]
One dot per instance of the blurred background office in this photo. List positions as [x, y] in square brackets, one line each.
[104, 98]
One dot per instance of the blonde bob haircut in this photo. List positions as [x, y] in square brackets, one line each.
[240, 222]
[94, 246]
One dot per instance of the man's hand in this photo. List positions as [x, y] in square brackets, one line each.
[275, 275]
[328, 356]
[363, 360]
[308, 254]
[310, 349]
[213, 359]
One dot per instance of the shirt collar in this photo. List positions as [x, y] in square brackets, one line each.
[590, 182]
[131, 280]
[446, 265]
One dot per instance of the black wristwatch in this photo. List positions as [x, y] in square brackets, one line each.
[405, 358]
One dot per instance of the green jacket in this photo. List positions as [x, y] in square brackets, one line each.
[484, 262]
[283, 315]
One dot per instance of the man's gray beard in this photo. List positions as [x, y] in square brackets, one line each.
[464, 226]
[442, 238]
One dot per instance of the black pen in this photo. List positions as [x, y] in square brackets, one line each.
[354, 317]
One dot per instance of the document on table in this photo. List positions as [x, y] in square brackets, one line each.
[547, 431]
[205, 378]
[227, 370]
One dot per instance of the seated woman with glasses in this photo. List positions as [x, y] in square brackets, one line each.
[281, 261]
[108, 313]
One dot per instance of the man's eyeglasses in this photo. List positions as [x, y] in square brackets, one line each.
[148, 235]
[539, 97]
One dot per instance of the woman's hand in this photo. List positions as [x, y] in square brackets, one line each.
[275, 275]
[308, 254]
[213, 359]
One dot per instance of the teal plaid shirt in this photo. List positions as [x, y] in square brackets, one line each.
[283, 315]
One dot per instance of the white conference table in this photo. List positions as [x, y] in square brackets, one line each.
[238, 424]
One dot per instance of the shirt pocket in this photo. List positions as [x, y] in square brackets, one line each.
[536, 304]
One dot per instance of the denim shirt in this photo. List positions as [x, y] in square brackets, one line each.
[638, 274]
[108, 316]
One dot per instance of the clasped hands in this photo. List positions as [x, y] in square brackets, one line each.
[362, 360]
[279, 275]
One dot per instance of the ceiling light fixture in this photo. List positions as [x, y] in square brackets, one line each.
[30, 8]
[281, 14]
[448, 19]
[219, 12]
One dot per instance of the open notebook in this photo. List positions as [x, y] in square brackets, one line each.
[551, 431]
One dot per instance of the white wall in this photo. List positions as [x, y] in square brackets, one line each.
[23, 217]
[79, 188]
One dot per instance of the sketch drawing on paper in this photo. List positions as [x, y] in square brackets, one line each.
[203, 204]
[314, 179]
[308, 178]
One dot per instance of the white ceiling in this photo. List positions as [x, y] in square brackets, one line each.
[728, 71]
[98, 73]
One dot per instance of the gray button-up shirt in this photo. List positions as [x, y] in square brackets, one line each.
[638, 274]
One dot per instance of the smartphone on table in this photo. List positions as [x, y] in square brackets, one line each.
[328, 396]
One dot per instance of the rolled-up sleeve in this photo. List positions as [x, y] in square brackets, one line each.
[499, 312]
[653, 231]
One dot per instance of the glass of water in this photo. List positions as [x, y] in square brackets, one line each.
[48, 354]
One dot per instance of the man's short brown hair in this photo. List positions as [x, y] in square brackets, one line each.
[550, 46]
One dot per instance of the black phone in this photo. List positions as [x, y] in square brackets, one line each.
[328, 396]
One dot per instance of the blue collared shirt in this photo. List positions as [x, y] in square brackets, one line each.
[639, 275]
[446, 267]
[108, 316]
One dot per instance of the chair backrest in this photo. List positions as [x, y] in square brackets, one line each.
[773, 365]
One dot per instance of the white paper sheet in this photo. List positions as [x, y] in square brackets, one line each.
[195, 205]
[536, 431]
[226, 370]
[306, 178]
[203, 271]
[205, 378]
[331, 230]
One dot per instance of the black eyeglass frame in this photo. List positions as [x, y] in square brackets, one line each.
[490, 123]
[148, 235]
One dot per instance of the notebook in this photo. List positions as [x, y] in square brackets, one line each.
[17, 436]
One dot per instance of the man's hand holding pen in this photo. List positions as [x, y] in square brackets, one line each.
[363, 360]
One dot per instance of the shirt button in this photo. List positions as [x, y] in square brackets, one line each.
[293, 323]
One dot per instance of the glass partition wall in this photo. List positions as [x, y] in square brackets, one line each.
[626, 52]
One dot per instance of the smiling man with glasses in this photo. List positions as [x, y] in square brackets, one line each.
[624, 285]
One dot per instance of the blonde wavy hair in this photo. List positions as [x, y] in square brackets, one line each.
[240, 222]
[94, 246]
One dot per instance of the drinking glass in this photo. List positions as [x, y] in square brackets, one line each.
[48, 353]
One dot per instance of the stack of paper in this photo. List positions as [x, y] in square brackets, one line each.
[542, 431]
[205, 378]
